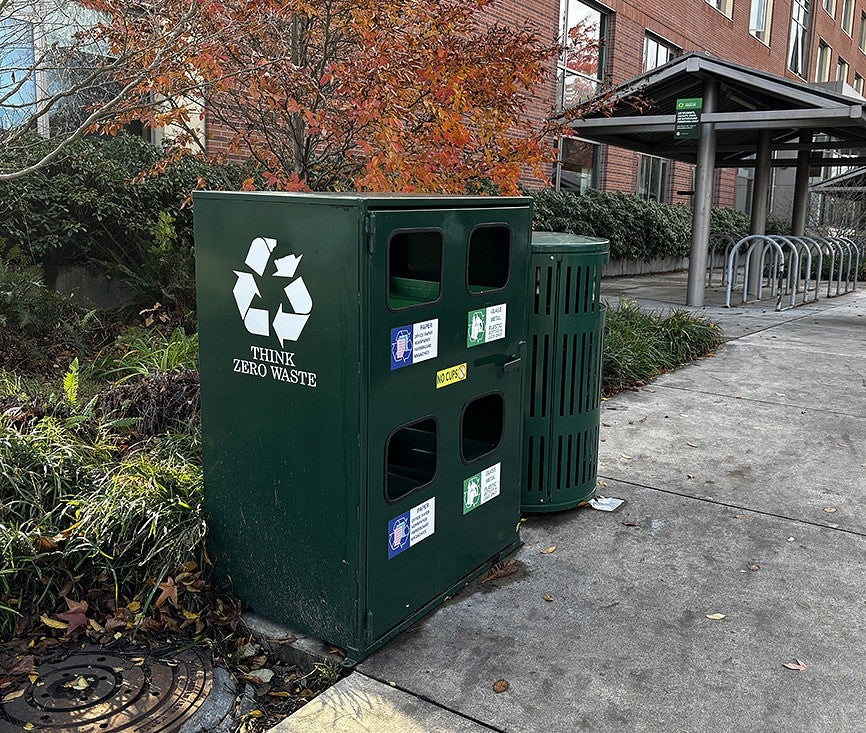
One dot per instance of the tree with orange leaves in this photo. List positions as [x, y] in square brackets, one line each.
[409, 95]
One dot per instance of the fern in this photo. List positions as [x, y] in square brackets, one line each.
[70, 383]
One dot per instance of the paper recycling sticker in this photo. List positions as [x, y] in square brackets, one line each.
[481, 488]
[411, 527]
[287, 324]
[485, 325]
[414, 343]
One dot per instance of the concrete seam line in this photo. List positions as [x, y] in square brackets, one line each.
[735, 506]
[760, 402]
[432, 702]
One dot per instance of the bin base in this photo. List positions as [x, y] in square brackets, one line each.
[558, 506]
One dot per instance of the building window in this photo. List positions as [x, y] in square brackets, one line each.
[830, 7]
[842, 70]
[581, 66]
[17, 73]
[848, 16]
[760, 19]
[798, 41]
[858, 84]
[652, 178]
[579, 166]
[657, 52]
[822, 65]
[862, 41]
[745, 186]
[725, 7]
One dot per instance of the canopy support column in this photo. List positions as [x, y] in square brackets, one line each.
[801, 187]
[760, 206]
[703, 204]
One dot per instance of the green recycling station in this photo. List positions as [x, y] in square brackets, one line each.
[363, 364]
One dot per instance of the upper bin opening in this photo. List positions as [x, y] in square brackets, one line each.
[489, 258]
[414, 268]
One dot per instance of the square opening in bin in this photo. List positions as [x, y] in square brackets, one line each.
[482, 426]
[411, 458]
[414, 268]
[489, 258]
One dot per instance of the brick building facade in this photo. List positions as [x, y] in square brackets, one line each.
[825, 42]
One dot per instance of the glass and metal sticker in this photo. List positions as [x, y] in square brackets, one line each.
[451, 375]
[409, 528]
[481, 488]
[485, 325]
[414, 343]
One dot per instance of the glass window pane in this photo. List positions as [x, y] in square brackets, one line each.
[17, 80]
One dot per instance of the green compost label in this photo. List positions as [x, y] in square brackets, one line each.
[481, 488]
[485, 325]
[687, 125]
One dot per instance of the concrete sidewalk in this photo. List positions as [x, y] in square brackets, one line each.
[744, 477]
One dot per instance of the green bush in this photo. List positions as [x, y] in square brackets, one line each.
[88, 207]
[637, 229]
[639, 345]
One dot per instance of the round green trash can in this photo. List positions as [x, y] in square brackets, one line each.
[563, 379]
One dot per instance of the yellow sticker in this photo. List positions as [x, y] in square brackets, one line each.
[451, 375]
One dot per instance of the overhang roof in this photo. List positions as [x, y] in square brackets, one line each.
[749, 101]
[851, 184]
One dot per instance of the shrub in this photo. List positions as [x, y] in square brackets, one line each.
[637, 229]
[89, 208]
[639, 345]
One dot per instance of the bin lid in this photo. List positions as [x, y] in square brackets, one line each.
[565, 242]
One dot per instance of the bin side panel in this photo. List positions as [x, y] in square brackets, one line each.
[278, 329]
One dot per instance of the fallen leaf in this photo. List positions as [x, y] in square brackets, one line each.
[279, 693]
[53, 623]
[28, 726]
[795, 665]
[75, 615]
[716, 616]
[626, 456]
[134, 607]
[79, 684]
[262, 676]
[629, 524]
[754, 566]
[500, 686]
[169, 593]
[13, 696]
[601, 483]
[547, 597]
[830, 509]
[501, 570]
[741, 516]
[606, 424]
[690, 475]
[691, 445]
[548, 550]
[711, 355]
[790, 539]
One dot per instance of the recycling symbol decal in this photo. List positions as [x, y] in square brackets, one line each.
[288, 324]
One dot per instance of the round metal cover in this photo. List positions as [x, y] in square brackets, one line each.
[97, 690]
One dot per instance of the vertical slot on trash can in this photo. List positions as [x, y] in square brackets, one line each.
[481, 426]
[489, 258]
[410, 456]
[414, 268]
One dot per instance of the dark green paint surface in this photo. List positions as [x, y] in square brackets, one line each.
[295, 474]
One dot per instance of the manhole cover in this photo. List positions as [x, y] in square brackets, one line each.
[95, 690]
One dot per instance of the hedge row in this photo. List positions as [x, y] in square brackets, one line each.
[90, 207]
[637, 229]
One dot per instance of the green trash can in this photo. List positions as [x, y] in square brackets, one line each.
[563, 376]
[362, 393]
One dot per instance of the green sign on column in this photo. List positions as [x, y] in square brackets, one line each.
[688, 118]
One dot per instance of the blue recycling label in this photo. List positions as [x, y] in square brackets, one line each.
[414, 343]
[398, 535]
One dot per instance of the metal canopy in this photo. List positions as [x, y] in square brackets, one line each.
[639, 115]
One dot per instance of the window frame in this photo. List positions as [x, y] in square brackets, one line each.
[847, 19]
[660, 44]
[858, 84]
[798, 38]
[661, 194]
[762, 34]
[840, 64]
[563, 73]
[829, 7]
[725, 7]
[823, 55]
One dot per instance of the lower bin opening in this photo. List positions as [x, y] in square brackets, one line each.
[410, 458]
